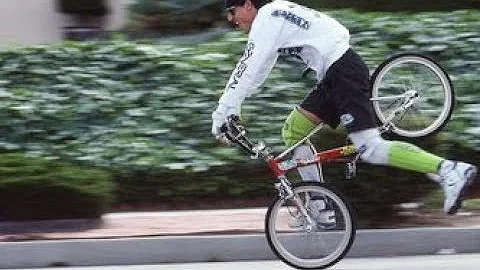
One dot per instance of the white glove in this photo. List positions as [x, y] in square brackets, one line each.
[219, 117]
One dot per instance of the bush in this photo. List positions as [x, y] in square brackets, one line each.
[35, 189]
[131, 104]
[388, 5]
[176, 15]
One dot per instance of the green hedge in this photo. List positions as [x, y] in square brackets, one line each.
[133, 104]
[388, 5]
[34, 188]
[174, 16]
[156, 7]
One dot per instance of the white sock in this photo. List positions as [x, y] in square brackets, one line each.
[434, 177]
[444, 168]
[310, 172]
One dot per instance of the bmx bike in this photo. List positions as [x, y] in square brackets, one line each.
[310, 225]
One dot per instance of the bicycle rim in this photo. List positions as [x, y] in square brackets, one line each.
[433, 107]
[324, 245]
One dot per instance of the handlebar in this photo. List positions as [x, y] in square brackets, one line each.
[236, 133]
[232, 128]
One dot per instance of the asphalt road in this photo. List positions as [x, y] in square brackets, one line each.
[440, 262]
[226, 248]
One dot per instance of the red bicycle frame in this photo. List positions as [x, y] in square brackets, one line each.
[280, 167]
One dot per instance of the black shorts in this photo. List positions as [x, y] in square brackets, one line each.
[343, 96]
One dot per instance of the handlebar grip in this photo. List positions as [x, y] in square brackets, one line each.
[233, 118]
[231, 125]
[235, 132]
[232, 128]
[224, 128]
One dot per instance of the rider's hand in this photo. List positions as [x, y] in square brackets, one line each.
[219, 117]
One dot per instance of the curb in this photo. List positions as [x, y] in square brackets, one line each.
[182, 249]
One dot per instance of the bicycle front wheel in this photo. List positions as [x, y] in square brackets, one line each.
[314, 242]
[412, 95]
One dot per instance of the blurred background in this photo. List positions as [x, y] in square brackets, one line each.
[105, 105]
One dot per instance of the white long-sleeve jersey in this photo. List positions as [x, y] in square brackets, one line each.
[283, 27]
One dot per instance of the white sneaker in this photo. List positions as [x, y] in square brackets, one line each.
[456, 176]
[319, 212]
[296, 221]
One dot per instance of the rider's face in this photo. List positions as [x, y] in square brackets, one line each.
[242, 16]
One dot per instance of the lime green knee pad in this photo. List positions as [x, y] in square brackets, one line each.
[410, 157]
[296, 127]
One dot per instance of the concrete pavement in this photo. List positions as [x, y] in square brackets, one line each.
[199, 236]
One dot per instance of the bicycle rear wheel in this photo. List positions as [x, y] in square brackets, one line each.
[322, 245]
[412, 95]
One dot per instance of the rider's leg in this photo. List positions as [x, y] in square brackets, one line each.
[298, 125]
[402, 155]
[374, 149]
[453, 176]
[347, 87]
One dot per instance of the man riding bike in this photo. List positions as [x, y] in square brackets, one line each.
[341, 95]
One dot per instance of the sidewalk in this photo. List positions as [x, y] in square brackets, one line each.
[194, 222]
[136, 224]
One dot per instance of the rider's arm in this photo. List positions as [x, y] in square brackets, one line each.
[257, 61]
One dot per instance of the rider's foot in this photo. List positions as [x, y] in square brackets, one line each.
[296, 221]
[456, 176]
[321, 213]
[318, 211]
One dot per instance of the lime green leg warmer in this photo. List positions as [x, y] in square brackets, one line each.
[410, 157]
[296, 127]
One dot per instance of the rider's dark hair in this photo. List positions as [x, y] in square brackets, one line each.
[260, 3]
[257, 3]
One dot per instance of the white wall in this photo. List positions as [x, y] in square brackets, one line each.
[27, 22]
[118, 14]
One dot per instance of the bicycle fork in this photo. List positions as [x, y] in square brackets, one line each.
[285, 191]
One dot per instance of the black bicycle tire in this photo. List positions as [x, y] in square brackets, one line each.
[347, 206]
[395, 57]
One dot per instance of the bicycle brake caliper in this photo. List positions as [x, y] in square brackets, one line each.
[351, 168]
